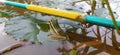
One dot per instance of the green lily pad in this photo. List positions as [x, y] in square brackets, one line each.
[25, 27]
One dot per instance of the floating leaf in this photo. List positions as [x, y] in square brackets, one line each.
[43, 37]
[22, 27]
[27, 28]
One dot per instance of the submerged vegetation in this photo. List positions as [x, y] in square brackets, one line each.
[86, 39]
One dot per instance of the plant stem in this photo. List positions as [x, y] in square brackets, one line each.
[112, 16]
[103, 3]
[93, 6]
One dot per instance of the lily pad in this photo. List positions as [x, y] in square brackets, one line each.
[25, 27]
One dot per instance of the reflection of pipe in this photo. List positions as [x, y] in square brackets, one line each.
[76, 16]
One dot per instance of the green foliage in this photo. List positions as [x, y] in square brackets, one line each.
[24, 27]
[102, 1]
[6, 13]
[73, 52]
[43, 26]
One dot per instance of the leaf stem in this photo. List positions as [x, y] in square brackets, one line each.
[112, 16]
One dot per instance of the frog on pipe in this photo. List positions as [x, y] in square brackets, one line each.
[76, 16]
